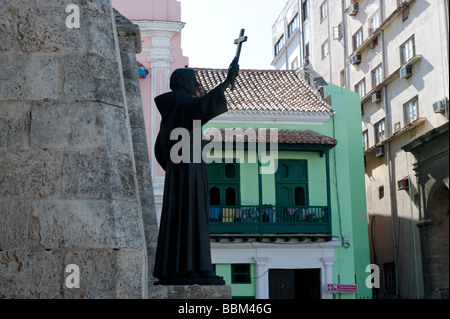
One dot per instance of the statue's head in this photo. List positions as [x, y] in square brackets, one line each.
[184, 79]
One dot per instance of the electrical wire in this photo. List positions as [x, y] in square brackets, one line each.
[345, 245]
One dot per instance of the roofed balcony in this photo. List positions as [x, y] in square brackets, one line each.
[267, 219]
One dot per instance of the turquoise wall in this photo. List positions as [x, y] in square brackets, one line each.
[347, 167]
[238, 290]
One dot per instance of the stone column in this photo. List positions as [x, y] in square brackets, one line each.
[160, 58]
[130, 44]
[262, 278]
[68, 187]
[328, 263]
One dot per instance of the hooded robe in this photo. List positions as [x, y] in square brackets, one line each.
[184, 243]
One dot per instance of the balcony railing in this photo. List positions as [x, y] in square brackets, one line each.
[269, 220]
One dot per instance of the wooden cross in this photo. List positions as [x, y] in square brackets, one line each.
[239, 42]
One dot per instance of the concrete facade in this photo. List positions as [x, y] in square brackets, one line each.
[371, 45]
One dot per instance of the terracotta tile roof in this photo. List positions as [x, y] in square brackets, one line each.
[272, 135]
[266, 90]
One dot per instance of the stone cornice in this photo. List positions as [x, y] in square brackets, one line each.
[151, 28]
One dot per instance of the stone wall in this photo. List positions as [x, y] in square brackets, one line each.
[130, 44]
[69, 192]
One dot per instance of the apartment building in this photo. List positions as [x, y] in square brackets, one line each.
[394, 53]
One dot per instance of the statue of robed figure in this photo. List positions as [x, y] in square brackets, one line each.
[183, 255]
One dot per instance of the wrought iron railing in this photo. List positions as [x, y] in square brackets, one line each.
[266, 219]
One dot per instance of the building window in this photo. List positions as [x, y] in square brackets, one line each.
[411, 110]
[360, 87]
[279, 45]
[325, 49]
[407, 51]
[380, 134]
[294, 64]
[299, 195]
[380, 192]
[342, 76]
[323, 10]
[305, 12]
[377, 76]
[291, 183]
[292, 26]
[307, 50]
[240, 274]
[224, 186]
[357, 39]
[405, 14]
[366, 140]
[337, 32]
[374, 22]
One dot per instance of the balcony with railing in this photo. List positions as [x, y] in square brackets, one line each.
[269, 220]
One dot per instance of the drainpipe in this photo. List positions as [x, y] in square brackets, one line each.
[329, 44]
[388, 157]
[344, 41]
[300, 35]
[285, 43]
[441, 28]
[260, 195]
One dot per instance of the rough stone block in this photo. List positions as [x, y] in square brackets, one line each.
[98, 174]
[89, 224]
[92, 78]
[15, 224]
[115, 128]
[14, 124]
[79, 125]
[59, 126]
[189, 292]
[107, 274]
[29, 174]
[31, 78]
[97, 6]
[30, 274]
[7, 34]
[139, 136]
[41, 30]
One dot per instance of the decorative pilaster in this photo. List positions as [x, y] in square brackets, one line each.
[328, 263]
[160, 58]
[262, 277]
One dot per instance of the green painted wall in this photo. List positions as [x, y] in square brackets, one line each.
[347, 167]
[238, 290]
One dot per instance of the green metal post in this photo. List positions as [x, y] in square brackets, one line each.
[327, 164]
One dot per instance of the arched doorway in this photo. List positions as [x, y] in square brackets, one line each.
[434, 236]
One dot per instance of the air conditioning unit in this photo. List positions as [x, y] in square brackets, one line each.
[356, 58]
[376, 97]
[380, 151]
[439, 106]
[405, 72]
[353, 9]
[403, 183]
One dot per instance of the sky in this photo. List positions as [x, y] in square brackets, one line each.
[212, 25]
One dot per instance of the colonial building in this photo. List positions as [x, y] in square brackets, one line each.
[395, 55]
[300, 223]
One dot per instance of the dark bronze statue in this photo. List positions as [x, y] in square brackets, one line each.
[183, 255]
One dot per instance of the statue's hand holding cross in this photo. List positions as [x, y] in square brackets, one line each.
[242, 38]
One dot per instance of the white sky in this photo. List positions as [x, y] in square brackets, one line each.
[212, 25]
